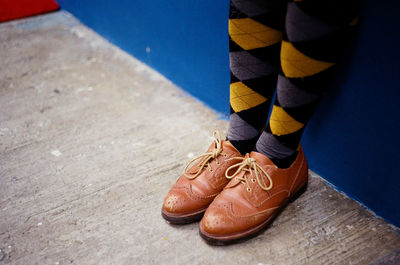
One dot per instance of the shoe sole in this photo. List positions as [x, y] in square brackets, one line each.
[180, 219]
[254, 231]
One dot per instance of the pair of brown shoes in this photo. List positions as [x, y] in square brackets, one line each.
[235, 196]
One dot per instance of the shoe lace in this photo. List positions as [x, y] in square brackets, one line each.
[207, 157]
[250, 165]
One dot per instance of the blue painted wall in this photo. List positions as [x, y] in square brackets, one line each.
[352, 140]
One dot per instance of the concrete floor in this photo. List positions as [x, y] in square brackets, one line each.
[91, 140]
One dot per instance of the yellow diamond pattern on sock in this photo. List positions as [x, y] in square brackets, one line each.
[296, 64]
[250, 34]
[242, 97]
[282, 123]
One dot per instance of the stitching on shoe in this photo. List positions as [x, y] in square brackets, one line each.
[192, 195]
[264, 201]
[247, 216]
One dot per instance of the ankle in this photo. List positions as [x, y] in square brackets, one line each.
[285, 162]
[243, 146]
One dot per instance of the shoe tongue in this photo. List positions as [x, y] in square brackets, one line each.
[193, 170]
[225, 144]
[261, 159]
[235, 181]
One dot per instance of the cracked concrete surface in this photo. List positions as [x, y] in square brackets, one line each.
[91, 140]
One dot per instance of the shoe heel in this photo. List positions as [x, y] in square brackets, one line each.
[299, 192]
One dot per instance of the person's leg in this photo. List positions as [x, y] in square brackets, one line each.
[255, 28]
[255, 34]
[316, 34]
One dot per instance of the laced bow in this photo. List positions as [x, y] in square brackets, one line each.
[249, 164]
[206, 157]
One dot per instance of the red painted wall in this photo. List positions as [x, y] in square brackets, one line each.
[13, 9]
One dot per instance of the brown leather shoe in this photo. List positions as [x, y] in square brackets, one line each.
[196, 188]
[258, 190]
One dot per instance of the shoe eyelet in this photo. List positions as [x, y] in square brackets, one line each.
[248, 189]
[217, 163]
[253, 180]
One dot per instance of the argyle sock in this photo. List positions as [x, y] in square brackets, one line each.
[316, 34]
[255, 34]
